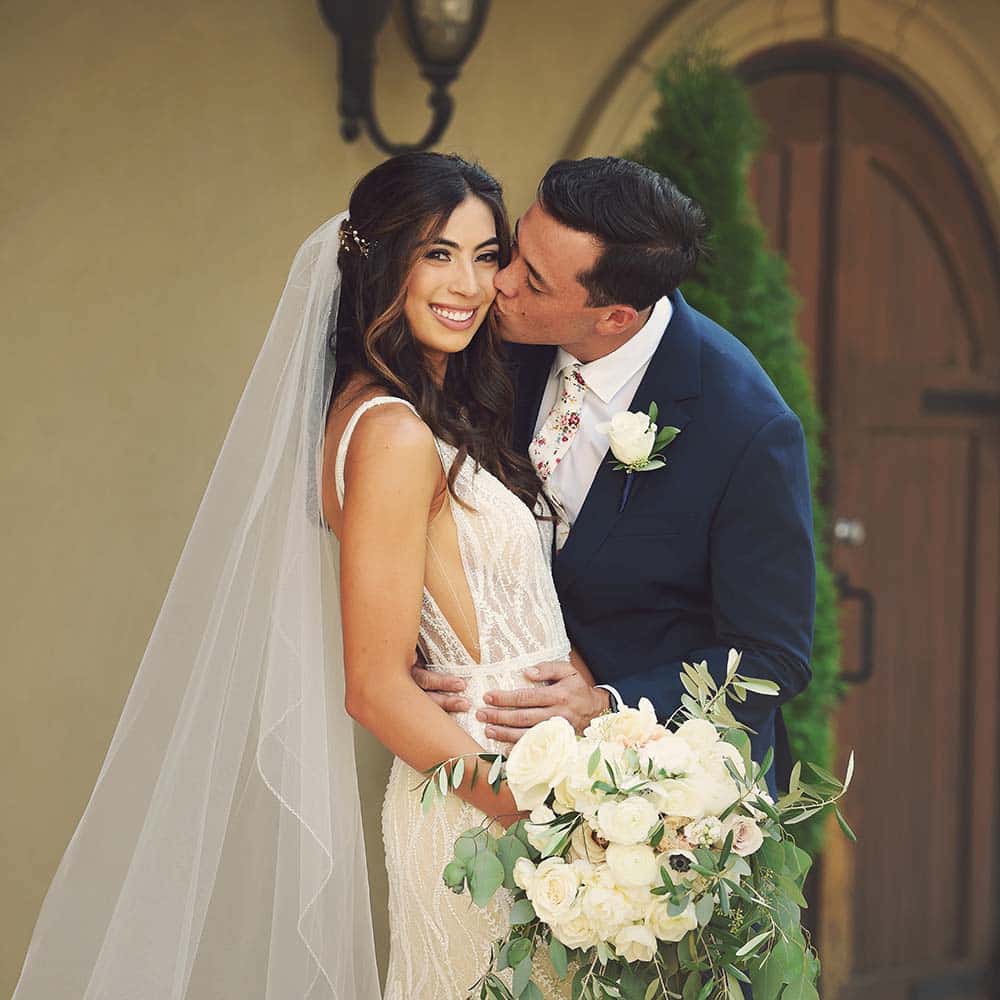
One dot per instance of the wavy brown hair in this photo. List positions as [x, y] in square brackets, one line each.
[397, 208]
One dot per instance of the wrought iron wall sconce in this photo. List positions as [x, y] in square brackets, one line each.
[440, 33]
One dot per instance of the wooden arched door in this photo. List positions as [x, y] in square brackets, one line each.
[897, 267]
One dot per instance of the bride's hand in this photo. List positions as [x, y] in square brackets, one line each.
[561, 690]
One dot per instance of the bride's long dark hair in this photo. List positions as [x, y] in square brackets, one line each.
[395, 209]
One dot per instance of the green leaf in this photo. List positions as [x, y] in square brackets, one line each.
[503, 958]
[594, 762]
[442, 778]
[760, 686]
[531, 992]
[706, 990]
[765, 977]
[800, 989]
[560, 960]
[495, 770]
[793, 781]
[704, 909]
[520, 948]
[458, 773]
[651, 990]
[654, 463]
[427, 798]
[522, 975]
[486, 875]
[692, 986]
[850, 771]
[654, 412]
[752, 943]
[522, 912]
[824, 775]
[509, 849]
[842, 823]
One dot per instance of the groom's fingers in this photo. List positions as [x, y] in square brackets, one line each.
[433, 680]
[530, 697]
[523, 718]
[553, 670]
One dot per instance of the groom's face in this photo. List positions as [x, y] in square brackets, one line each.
[539, 297]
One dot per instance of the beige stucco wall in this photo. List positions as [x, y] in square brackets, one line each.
[159, 165]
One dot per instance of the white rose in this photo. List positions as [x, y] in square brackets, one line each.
[608, 909]
[524, 874]
[554, 889]
[575, 791]
[747, 837]
[683, 797]
[537, 833]
[538, 760]
[671, 753]
[633, 865]
[704, 832]
[699, 734]
[635, 944]
[631, 435]
[666, 927]
[584, 844]
[633, 727]
[577, 931]
[627, 822]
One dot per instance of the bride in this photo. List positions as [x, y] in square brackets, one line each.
[366, 501]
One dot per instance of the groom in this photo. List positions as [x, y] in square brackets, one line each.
[673, 564]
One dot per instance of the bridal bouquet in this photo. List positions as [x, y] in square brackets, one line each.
[654, 864]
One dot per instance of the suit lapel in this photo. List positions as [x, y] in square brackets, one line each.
[673, 376]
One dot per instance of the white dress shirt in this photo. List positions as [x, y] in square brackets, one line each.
[612, 382]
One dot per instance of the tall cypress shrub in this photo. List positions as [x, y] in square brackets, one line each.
[703, 138]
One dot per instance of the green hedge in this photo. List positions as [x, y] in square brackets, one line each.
[704, 137]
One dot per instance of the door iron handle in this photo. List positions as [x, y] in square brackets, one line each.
[866, 649]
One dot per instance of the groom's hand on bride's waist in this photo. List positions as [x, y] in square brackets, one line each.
[445, 689]
[510, 714]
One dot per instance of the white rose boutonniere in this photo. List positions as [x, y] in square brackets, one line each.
[637, 444]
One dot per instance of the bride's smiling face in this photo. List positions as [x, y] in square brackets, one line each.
[450, 288]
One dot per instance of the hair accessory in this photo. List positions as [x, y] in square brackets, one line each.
[350, 236]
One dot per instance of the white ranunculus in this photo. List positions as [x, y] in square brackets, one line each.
[747, 836]
[671, 753]
[633, 866]
[554, 889]
[635, 943]
[538, 834]
[631, 436]
[704, 832]
[606, 908]
[633, 727]
[538, 760]
[577, 930]
[584, 844]
[627, 822]
[699, 734]
[666, 927]
[524, 874]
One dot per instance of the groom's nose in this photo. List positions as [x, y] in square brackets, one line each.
[504, 281]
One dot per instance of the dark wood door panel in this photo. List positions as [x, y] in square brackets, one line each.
[898, 278]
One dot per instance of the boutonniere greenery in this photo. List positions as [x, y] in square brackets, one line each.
[637, 444]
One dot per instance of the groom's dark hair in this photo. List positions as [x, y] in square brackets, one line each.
[652, 235]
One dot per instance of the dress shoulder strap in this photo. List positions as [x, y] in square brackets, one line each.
[345, 438]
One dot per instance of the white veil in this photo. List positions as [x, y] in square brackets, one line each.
[221, 854]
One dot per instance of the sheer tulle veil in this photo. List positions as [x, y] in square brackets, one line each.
[221, 852]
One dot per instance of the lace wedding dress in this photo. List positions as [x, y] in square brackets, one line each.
[439, 941]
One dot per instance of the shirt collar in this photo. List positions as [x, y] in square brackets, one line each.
[606, 376]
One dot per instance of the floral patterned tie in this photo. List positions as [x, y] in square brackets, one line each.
[551, 443]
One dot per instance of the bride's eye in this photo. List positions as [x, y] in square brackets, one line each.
[490, 257]
[437, 254]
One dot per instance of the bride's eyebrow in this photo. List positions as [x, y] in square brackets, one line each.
[441, 241]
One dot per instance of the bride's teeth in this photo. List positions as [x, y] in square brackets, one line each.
[453, 314]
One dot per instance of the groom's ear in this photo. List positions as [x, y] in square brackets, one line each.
[616, 320]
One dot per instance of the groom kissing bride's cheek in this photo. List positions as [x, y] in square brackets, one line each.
[705, 547]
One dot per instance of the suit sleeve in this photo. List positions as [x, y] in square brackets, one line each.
[763, 579]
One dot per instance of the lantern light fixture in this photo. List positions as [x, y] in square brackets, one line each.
[440, 33]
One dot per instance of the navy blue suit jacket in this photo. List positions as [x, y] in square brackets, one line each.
[713, 551]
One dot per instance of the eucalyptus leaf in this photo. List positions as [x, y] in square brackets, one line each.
[557, 953]
[522, 975]
[522, 912]
[531, 992]
[509, 849]
[704, 909]
[427, 799]
[800, 989]
[486, 875]
[520, 948]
